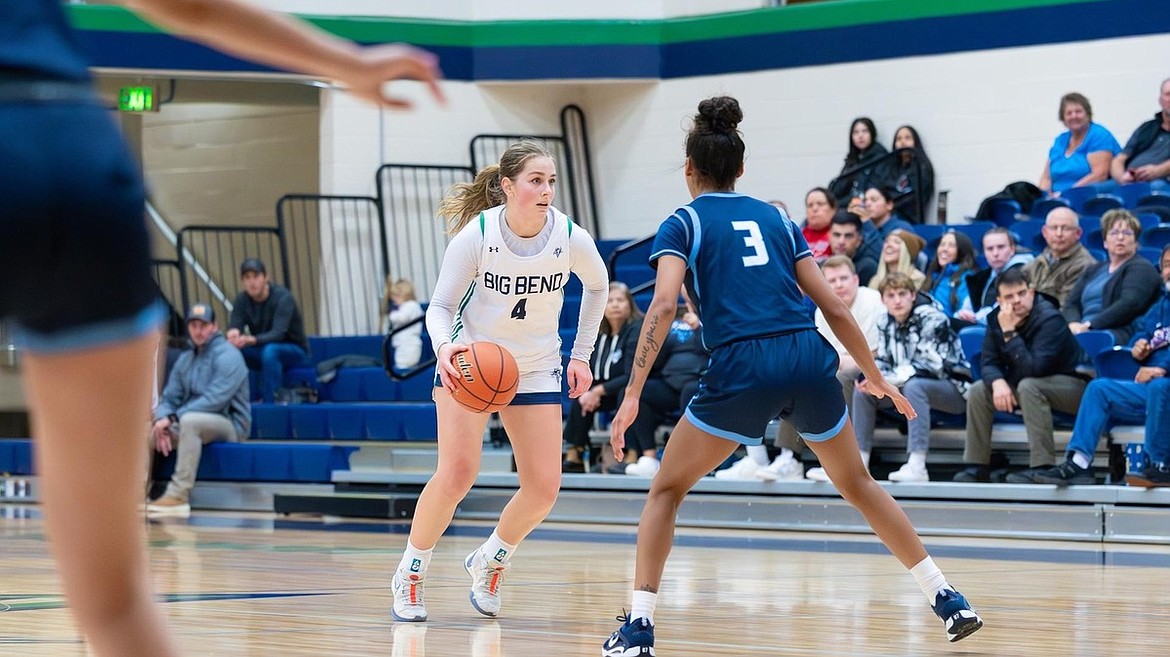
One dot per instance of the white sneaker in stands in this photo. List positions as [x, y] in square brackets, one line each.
[908, 473]
[742, 470]
[817, 474]
[647, 466]
[782, 470]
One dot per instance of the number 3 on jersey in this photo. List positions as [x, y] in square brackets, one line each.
[518, 311]
[754, 240]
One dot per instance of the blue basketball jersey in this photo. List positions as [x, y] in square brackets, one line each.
[741, 258]
[37, 42]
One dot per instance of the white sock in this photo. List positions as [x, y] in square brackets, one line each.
[786, 455]
[415, 560]
[1081, 460]
[642, 605]
[930, 579]
[917, 461]
[758, 453]
[496, 550]
[865, 458]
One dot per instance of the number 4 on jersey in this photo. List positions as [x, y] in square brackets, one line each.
[518, 311]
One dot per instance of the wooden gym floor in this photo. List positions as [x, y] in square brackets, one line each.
[239, 585]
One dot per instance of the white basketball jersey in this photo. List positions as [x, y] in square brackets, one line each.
[514, 300]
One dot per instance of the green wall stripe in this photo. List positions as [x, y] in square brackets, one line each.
[824, 15]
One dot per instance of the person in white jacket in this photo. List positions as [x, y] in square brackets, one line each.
[401, 308]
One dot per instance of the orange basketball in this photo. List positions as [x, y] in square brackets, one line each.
[488, 377]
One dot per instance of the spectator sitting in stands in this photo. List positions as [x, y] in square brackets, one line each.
[401, 308]
[1112, 295]
[1146, 156]
[267, 327]
[879, 207]
[205, 400]
[668, 389]
[1000, 251]
[920, 353]
[1145, 400]
[1057, 269]
[863, 148]
[820, 207]
[846, 237]
[946, 276]
[610, 362]
[899, 253]
[1083, 154]
[911, 175]
[1028, 364]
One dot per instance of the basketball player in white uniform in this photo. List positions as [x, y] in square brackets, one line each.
[502, 280]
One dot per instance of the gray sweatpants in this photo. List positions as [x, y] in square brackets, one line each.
[923, 395]
[193, 431]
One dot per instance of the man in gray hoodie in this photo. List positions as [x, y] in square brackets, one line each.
[205, 400]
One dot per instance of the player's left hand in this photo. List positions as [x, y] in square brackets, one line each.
[580, 378]
[626, 415]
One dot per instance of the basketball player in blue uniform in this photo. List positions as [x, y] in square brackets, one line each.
[745, 263]
[502, 280]
[75, 281]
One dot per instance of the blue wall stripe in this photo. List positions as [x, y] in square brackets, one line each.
[907, 38]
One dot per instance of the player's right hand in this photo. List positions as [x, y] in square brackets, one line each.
[394, 61]
[447, 371]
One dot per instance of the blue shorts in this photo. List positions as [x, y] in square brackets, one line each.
[751, 382]
[74, 250]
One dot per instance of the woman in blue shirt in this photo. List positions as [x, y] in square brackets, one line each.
[1082, 155]
[745, 264]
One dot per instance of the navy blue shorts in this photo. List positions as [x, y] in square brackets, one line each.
[74, 250]
[791, 376]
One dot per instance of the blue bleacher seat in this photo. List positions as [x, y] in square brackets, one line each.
[975, 231]
[1028, 234]
[272, 462]
[1130, 194]
[382, 423]
[270, 421]
[1150, 253]
[1041, 208]
[16, 456]
[1159, 212]
[1076, 196]
[971, 339]
[1161, 199]
[420, 388]
[342, 423]
[1116, 363]
[1156, 237]
[1094, 342]
[1004, 211]
[1093, 239]
[1102, 203]
[307, 421]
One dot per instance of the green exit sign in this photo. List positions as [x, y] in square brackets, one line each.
[138, 99]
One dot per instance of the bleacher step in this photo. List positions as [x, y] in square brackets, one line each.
[348, 505]
[420, 459]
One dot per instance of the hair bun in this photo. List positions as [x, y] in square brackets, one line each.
[719, 114]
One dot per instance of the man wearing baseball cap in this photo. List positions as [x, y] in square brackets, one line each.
[205, 400]
[267, 327]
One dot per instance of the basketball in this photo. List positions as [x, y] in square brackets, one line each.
[488, 377]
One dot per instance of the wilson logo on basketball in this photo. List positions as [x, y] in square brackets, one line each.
[465, 368]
